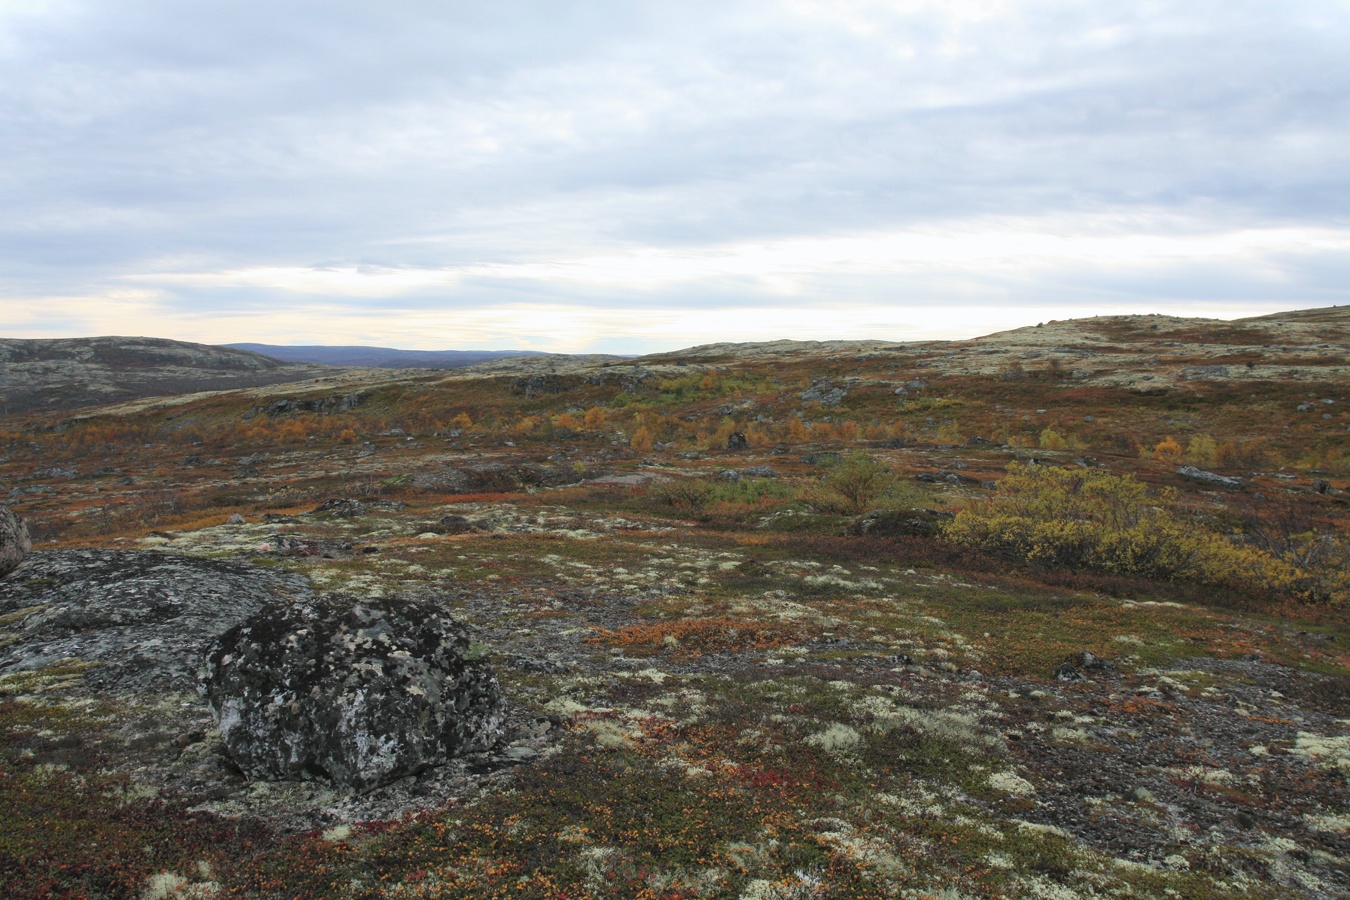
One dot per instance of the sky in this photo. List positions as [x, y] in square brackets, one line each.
[622, 177]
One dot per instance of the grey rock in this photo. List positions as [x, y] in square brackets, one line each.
[235, 519]
[356, 692]
[893, 523]
[737, 441]
[1082, 666]
[759, 472]
[145, 618]
[340, 508]
[1191, 472]
[823, 392]
[14, 541]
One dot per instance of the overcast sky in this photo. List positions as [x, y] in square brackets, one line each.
[625, 177]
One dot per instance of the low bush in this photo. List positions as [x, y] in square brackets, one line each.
[1056, 518]
[684, 494]
[856, 484]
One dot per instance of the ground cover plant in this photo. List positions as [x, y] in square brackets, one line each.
[949, 623]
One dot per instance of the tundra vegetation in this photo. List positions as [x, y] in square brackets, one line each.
[953, 625]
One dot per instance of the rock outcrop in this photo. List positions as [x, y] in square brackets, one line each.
[145, 618]
[1228, 481]
[898, 522]
[355, 692]
[14, 541]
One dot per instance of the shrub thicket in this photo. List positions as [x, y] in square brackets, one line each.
[1052, 517]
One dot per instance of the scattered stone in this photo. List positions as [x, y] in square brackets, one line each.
[358, 692]
[1082, 666]
[1191, 472]
[279, 519]
[296, 545]
[538, 665]
[14, 541]
[340, 508]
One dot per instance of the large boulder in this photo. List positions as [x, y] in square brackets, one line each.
[145, 618]
[14, 542]
[356, 692]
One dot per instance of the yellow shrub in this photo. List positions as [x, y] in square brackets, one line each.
[1089, 519]
[1202, 451]
[1053, 440]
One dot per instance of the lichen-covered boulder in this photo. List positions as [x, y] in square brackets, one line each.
[359, 692]
[14, 542]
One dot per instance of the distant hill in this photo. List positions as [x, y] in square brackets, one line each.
[67, 373]
[381, 357]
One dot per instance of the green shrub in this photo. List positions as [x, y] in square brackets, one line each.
[856, 484]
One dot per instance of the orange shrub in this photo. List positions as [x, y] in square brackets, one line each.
[1168, 450]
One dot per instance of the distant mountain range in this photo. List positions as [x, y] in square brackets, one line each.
[381, 357]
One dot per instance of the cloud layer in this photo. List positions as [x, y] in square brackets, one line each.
[618, 176]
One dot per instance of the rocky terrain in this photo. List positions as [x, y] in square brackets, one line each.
[749, 637]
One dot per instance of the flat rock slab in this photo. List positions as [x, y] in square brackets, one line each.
[146, 618]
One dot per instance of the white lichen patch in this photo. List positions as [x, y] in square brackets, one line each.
[1070, 735]
[866, 850]
[336, 834]
[1011, 783]
[1328, 752]
[954, 726]
[838, 739]
[1202, 774]
[1331, 823]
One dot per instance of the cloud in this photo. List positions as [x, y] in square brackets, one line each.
[795, 155]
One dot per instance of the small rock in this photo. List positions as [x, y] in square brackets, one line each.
[188, 738]
[341, 508]
[235, 519]
[1069, 674]
[1141, 795]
